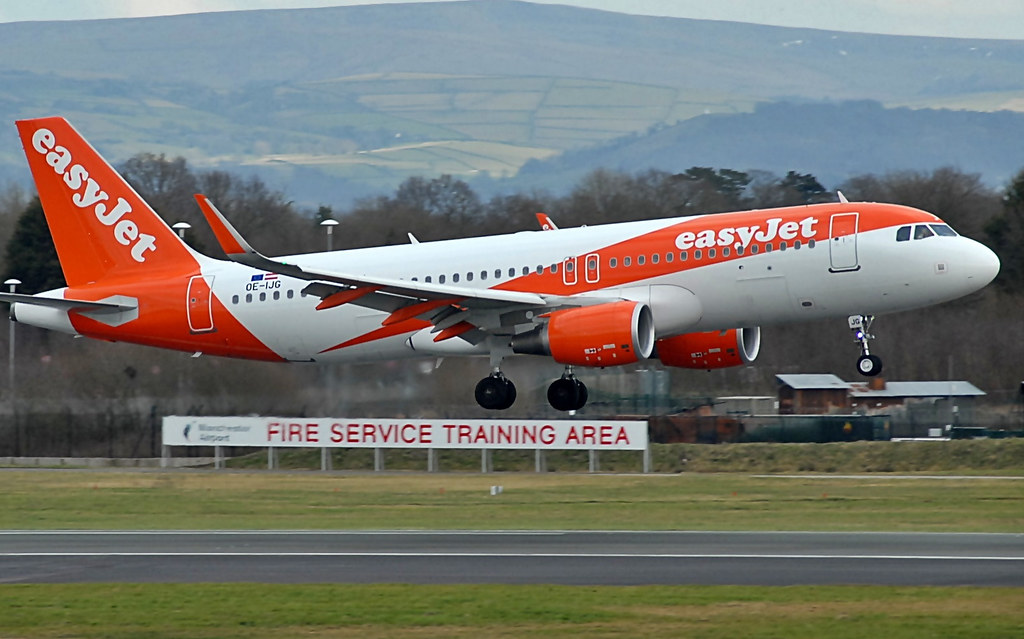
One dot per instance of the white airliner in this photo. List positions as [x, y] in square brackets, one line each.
[690, 291]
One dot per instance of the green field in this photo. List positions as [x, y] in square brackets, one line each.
[258, 611]
[112, 499]
[360, 501]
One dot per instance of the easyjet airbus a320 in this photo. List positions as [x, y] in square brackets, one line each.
[690, 291]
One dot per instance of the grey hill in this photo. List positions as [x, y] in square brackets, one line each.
[330, 104]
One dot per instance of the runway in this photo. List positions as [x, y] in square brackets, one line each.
[512, 557]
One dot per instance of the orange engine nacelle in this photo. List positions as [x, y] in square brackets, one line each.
[713, 349]
[603, 335]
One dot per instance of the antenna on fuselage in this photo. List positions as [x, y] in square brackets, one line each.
[842, 198]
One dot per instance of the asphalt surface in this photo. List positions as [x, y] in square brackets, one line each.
[514, 557]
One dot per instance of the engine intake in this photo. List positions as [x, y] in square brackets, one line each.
[603, 335]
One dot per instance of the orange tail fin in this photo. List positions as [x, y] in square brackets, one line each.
[101, 227]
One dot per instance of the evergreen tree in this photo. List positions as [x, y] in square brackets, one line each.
[1006, 237]
[31, 256]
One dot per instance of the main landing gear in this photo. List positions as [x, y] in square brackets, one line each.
[497, 392]
[567, 393]
[867, 364]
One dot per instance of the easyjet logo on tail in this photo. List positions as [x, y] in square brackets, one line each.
[744, 235]
[87, 193]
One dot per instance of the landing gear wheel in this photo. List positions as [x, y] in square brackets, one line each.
[495, 392]
[567, 393]
[869, 365]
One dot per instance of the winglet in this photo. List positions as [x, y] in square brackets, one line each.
[546, 223]
[230, 240]
[235, 246]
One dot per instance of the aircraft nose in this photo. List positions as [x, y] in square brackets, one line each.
[981, 264]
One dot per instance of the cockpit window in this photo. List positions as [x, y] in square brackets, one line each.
[943, 230]
[922, 231]
[903, 234]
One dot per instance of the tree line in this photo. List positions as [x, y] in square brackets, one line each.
[979, 338]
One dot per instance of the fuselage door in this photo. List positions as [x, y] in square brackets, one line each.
[200, 304]
[569, 275]
[842, 244]
[593, 268]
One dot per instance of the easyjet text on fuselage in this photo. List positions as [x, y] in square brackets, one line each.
[736, 236]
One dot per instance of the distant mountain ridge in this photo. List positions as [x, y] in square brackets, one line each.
[831, 140]
[351, 100]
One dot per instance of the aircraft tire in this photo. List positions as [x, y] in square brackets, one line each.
[495, 392]
[869, 365]
[567, 393]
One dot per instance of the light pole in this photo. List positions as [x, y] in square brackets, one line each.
[329, 225]
[181, 227]
[13, 284]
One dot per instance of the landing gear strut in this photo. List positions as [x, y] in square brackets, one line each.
[495, 392]
[567, 393]
[867, 364]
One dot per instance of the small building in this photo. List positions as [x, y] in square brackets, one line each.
[879, 396]
[827, 394]
[801, 394]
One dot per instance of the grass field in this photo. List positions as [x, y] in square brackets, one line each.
[258, 611]
[308, 500]
[68, 499]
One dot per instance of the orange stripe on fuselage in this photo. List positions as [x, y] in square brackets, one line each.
[391, 330]
[811, 223]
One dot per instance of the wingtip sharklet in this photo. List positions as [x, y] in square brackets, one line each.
[230, 240]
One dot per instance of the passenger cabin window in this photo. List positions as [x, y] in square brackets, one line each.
[903, 234]
[922, 231]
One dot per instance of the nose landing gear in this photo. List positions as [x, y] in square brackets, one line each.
[867, 364]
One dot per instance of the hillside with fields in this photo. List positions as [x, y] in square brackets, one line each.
[329, 104]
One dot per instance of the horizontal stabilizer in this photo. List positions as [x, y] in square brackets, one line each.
[65, 304]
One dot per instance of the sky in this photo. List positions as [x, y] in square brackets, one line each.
[1002, 19]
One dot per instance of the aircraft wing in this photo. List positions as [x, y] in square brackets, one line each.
[404, 299]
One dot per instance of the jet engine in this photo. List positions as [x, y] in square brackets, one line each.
[609, 334]
[713, 349]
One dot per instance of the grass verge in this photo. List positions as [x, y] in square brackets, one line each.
[256, 611]
[260, 500]
[971, 457]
